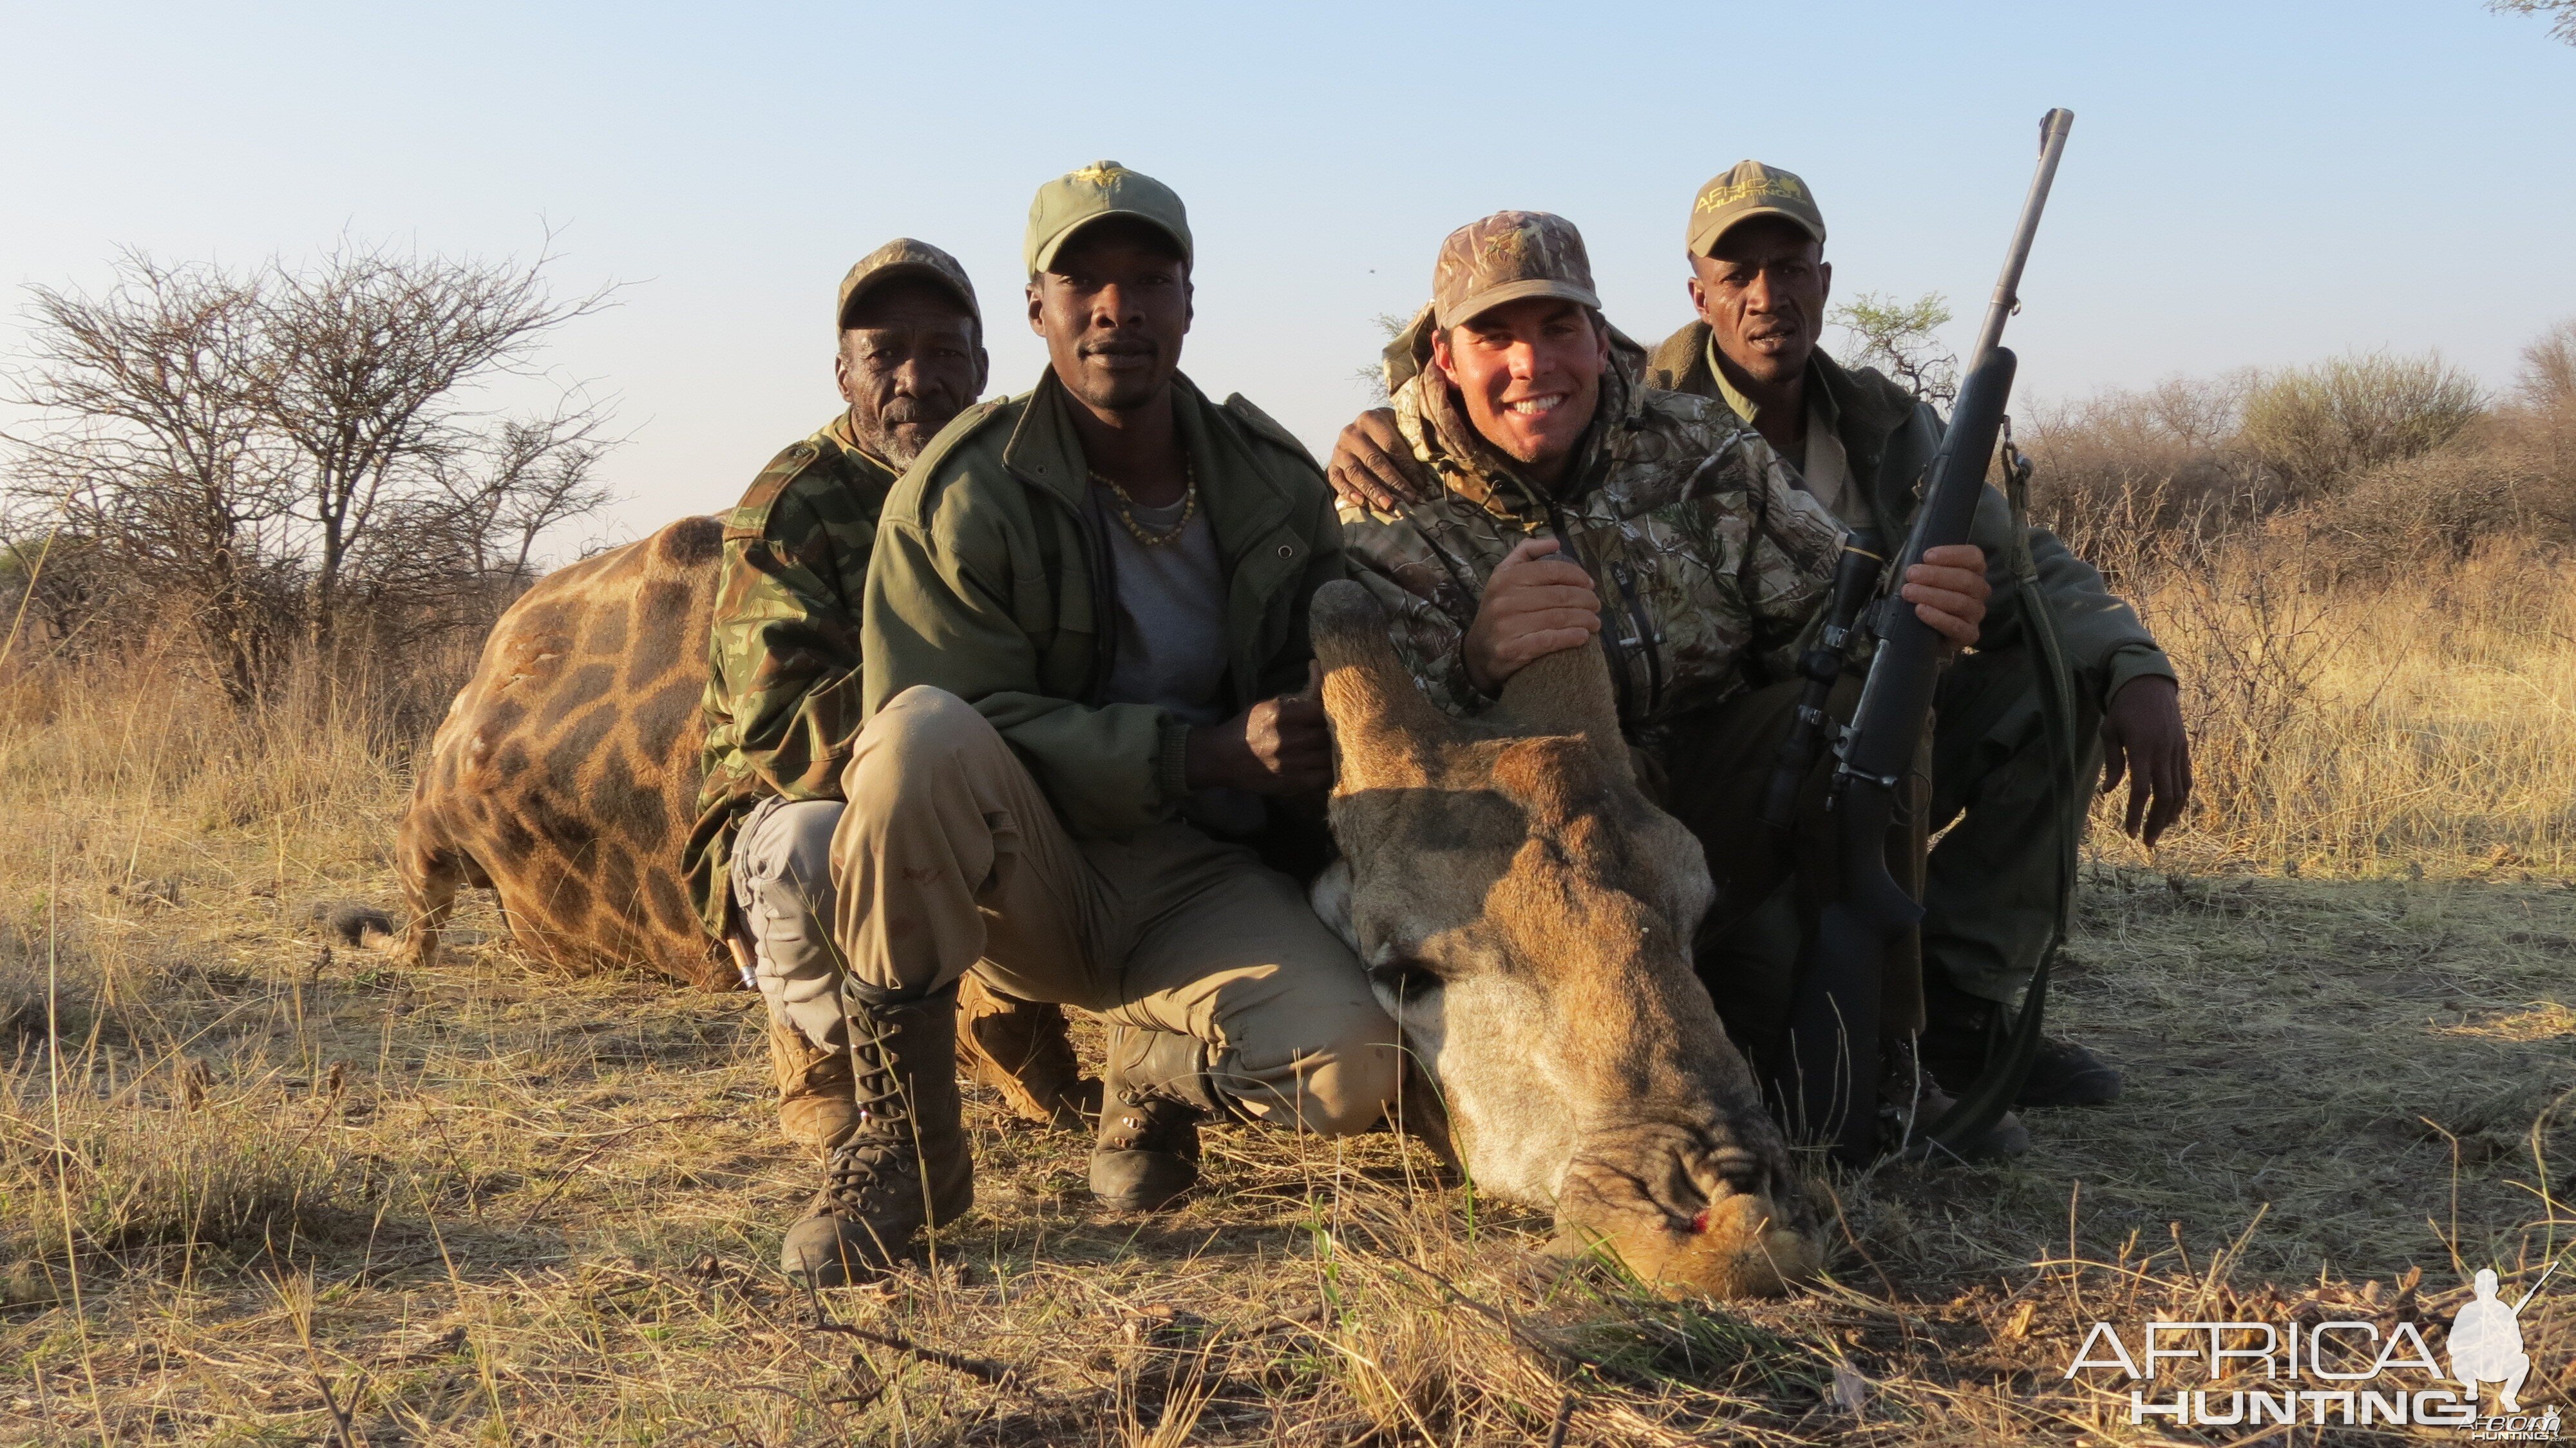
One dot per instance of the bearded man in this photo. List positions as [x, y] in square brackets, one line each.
[782, 696]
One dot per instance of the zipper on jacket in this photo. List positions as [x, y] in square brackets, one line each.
[1645, 638]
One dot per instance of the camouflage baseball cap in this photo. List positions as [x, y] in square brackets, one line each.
[898, 259]
[1505, 257]
[1098, 191]
[1744, 191]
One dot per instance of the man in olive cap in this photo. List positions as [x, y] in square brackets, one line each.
[1760, 283]
[782, 695]
[1087, 694]
[1579, 508]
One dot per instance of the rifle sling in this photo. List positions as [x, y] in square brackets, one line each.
[2009, 1058]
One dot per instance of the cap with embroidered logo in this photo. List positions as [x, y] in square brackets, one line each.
[1745, 191]
[1097, 192]
[1505, 257]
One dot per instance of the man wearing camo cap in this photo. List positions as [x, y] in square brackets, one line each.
[782, 695]
[1581, 509]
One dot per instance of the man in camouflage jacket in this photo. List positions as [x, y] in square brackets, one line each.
[782, 696]
[1576, 502]
[1861, 442]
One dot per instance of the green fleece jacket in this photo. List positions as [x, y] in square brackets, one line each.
[1888, 438]
[992, 581]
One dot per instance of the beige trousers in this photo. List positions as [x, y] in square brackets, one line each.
[949, 858]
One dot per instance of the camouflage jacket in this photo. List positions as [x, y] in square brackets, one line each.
[1700, 540]
[782, 700]
[1888, 437]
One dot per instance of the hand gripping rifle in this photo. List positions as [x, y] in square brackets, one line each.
[1834, 1018]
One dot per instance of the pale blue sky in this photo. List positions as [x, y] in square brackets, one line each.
[2248, 183]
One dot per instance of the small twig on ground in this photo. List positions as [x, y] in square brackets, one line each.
[1564, 1420]
[341, 1428]
[983, 1370]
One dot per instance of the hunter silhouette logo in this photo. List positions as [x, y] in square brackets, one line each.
[2486, 1340]
[2257, 1372]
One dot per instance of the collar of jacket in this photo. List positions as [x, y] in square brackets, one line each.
[1477, 471]
[1866, 410]
[1241, 499]
[841, 434]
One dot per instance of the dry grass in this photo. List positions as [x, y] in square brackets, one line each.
[2422, 720]
[253, 1190]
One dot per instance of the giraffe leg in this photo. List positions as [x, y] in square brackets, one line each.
[432, 872]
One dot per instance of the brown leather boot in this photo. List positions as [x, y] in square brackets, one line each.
[1021, 1049]
[815, 1107]
[905, 1164]
[1156, 1091]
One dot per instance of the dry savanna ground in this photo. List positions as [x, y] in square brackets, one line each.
[254, 1189]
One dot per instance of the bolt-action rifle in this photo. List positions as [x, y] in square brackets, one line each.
[1834, 1018]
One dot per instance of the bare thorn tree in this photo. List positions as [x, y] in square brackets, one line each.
[156, 454]
[375, 352]
[245, 452]
[2561, 14]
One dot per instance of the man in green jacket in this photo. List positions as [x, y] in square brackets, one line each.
[1760, 283]
[1088, 701]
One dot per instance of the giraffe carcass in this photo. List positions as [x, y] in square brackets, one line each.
[565, 778]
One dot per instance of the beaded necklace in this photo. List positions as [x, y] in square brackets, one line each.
[1126, 506]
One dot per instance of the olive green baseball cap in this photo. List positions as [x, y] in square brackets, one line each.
[1505, 257]
[1746, 190]
[1097, 192]
[898, 260]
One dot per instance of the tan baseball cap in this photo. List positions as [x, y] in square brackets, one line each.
[1744, 191]
[1505, 257]
[898, 259]
[1098, 191]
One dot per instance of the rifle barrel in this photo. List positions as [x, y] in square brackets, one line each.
[2052, 144]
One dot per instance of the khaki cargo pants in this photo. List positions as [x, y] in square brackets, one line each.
[948, 858]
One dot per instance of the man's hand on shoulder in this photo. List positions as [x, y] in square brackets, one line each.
[1949, 590]
[1373, 466]
[2143, 737]
[1535, 604]
[1278, 746]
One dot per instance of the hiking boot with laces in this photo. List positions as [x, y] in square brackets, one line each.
[1152, 1097]
[904, 1164]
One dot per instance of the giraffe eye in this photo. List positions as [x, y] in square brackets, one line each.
[1406, 978]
